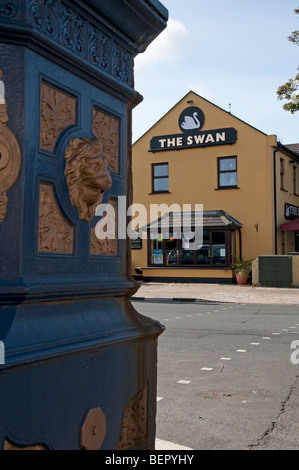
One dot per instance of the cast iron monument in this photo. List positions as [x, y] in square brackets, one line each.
[80, 362]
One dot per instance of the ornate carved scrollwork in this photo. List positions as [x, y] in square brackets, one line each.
[73, 31]
[9, 9]
[10, 156]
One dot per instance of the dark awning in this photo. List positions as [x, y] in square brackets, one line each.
[292, 226]
[217, 219]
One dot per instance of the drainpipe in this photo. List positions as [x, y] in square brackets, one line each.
[240, 243]
[275, 201]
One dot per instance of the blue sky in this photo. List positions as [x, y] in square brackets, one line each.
[229, 52]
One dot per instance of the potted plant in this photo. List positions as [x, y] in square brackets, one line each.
[242, 269]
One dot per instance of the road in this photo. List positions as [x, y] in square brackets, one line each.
[225, 376]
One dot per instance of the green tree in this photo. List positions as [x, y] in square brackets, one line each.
[290, 90]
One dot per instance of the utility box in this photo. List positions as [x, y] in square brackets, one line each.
[77, 362]
[275, 271]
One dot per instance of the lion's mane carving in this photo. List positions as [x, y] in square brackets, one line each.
[87, 175]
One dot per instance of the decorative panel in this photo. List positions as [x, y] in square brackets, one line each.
[108, 246]
[56, 234]
[134, 425]
[106, 129]
[58, 112]
[94, 430]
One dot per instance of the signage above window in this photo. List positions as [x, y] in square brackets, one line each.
[291, 212]
[191, 122]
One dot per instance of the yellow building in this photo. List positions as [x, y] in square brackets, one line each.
[245, 180]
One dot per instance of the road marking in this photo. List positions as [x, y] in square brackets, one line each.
[225, 359]
[207, 368]
[185, 382]
[241, 350]
[284, 330]
[159, 398]
[255, 344]
[165, 445]
[266, 337]
[276, 334]
[292, 327]
[178, 318]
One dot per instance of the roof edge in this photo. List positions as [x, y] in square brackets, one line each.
[210, 102]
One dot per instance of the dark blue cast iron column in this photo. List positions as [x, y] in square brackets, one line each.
[80, 362]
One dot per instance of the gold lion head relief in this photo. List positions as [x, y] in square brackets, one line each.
[87, 175]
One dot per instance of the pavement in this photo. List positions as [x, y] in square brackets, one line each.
[157, 292]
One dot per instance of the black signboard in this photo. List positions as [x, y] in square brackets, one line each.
[291, 212]
[225, 136]
[136, 244]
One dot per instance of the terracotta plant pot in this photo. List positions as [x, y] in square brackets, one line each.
[242, 278]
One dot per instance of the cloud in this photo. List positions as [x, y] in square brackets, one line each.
[166, 48]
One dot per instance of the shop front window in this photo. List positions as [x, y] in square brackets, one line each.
[203, 254]
[215, 251]
[218, 248]
[171, 251]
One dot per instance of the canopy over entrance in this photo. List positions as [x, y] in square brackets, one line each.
[292, 226]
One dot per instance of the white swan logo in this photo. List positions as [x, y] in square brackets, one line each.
[191, 122]
[191, 119]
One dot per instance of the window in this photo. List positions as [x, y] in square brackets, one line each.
[215, 251]
[282, 174]
[160, 178]
[227, 172]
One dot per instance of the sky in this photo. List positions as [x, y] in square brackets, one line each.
[233, 53]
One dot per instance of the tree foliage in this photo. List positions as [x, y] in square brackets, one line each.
[290, 90]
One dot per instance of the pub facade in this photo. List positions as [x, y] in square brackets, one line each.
[202, 164]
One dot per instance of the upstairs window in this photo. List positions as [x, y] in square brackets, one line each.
[227, 172]
[160, 174]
